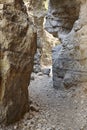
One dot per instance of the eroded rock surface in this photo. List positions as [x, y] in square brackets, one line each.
[67, 20]
[36, 10]
[17, 49]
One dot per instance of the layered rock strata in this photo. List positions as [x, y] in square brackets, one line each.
[67, 20]
[17, 49]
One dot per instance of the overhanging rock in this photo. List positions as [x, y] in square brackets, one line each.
[67, 20]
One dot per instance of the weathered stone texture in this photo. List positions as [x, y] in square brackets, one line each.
[61, 16]
[17, 49]
[67, 20]
[36, 10]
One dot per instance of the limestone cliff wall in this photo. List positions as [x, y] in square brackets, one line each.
[17, 49]
[36, 10]
[67, 20]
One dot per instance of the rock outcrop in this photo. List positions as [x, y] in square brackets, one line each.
[36, 10]
[67, 20]
[17, 49]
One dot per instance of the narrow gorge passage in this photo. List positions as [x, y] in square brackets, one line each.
[54, 109]
[42, 101]
[59, 109]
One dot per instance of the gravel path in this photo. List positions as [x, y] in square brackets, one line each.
[58, 109]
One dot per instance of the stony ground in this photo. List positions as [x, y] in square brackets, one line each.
[53, 109]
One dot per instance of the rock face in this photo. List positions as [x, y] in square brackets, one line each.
[67, 20]
[17, 49]
[38, 20]
[36, 10]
